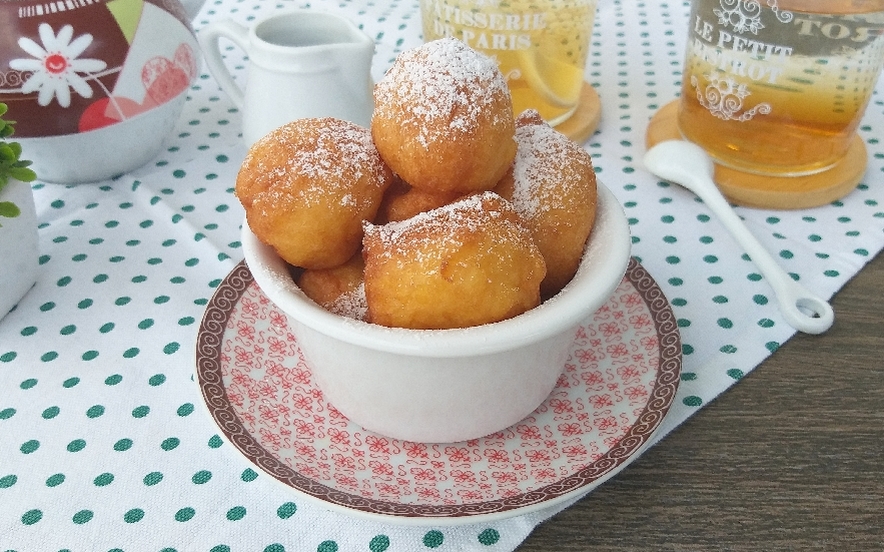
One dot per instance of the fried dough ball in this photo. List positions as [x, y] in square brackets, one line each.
[307, 186]
[340, 290]
[402, 201]
[468, 263]
[552, 185]
[443, 118]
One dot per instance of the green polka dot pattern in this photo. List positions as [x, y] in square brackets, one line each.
[102, 427]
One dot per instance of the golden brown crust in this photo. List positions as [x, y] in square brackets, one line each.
[307, 187]
[468, 263]
[552, 185]
[339, 290]
[402, 201]
[443, 118]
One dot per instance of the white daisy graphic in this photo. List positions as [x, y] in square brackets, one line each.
[55, 65]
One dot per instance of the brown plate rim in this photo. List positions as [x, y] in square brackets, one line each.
[209, 369]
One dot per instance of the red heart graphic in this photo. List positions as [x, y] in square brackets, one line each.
[164, 79]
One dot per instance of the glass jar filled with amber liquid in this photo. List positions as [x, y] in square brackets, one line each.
[541, 46]
[778, 87]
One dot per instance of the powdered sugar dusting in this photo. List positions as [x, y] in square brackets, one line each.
[539, 159]
[439, 81]
[435, 231]
[343, 154]
[461, 214]
[352, 304]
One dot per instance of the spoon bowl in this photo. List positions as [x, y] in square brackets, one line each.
[689, 166]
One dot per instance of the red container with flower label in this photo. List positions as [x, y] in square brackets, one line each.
[81, 74]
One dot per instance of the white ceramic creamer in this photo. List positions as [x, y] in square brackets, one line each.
[302, 64]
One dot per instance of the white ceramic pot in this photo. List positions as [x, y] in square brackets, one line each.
[19, 246]
[192, 7]
[83, 157]
[93, 87]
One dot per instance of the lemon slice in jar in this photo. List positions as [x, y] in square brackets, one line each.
[553, 67]
[555, 81]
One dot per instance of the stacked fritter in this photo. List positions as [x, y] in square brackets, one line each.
[447, 213]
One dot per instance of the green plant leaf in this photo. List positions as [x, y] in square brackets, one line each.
[11, 166]
[9, 209]
[22, 173]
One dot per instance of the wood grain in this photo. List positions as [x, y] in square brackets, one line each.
[790, 458]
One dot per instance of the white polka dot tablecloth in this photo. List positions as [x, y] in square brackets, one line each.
[105, 444]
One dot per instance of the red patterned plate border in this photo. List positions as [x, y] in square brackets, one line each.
[618, 384]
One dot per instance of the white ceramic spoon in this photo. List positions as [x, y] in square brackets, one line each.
[688, 165]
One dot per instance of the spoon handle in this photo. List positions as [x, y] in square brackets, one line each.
[803, 310]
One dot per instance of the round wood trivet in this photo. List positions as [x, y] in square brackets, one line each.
[583, 122]
[772, 192]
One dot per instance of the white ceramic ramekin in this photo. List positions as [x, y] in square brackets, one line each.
[447, 385]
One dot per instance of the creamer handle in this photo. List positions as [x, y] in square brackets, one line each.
[208, 38]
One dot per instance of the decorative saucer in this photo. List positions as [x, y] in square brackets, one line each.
[616, 386]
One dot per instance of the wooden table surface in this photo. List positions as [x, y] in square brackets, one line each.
[790, 458]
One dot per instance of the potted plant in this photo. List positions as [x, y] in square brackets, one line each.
[19, 245]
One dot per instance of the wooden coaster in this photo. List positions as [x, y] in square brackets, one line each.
[772, 192]
[583, 122]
